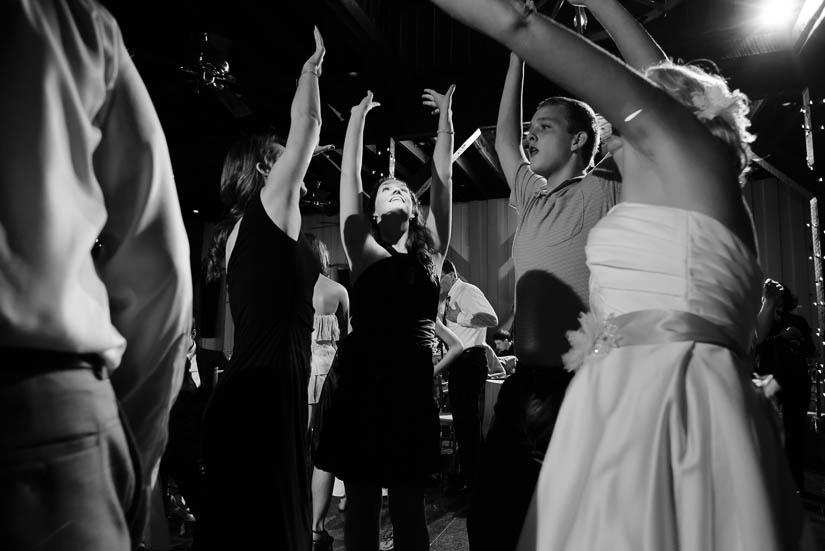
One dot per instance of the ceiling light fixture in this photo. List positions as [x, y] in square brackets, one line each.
[775, 13]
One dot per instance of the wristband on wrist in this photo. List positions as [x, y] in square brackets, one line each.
[445, 132]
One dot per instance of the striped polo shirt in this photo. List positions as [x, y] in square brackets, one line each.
[548, 256]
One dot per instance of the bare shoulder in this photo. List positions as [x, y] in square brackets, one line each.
[341, 293]
[331, 287]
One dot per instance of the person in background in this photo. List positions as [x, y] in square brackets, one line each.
[182, 461]
[467, 313]
[255, 425]
[503, 343]
[330, 324]
[95, 284]
[784, 344]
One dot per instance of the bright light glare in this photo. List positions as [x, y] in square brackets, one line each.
[774, 13]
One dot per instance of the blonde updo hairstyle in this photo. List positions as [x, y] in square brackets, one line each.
[723, 112]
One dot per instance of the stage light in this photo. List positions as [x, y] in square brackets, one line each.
[775, 13]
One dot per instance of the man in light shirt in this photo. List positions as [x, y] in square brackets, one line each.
[467, 312]
[92, 344]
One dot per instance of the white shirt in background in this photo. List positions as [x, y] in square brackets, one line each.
[471, 301]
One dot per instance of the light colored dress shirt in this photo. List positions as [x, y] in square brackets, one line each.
[471, 301]
[82, 157]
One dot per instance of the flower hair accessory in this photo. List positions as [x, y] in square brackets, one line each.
[595, 338]
[717, 101]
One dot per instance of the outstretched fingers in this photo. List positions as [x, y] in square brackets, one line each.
[437, 100]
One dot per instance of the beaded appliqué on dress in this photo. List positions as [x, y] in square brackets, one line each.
[596, 337]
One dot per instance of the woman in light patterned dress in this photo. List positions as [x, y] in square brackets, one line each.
[330, 324]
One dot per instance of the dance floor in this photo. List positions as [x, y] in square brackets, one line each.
[447, 522]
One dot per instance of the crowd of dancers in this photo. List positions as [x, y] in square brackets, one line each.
[631, 421]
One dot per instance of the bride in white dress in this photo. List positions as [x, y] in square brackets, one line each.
[661, 443]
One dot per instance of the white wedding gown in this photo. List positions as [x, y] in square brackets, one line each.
[665, 445]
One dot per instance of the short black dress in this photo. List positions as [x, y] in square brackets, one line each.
[255, 434]
[382, 427]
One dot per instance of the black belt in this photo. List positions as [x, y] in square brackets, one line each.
[17, 364]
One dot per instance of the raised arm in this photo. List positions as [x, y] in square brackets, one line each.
[771, 295]
[637, 47]
[355, 230]
[282, 191]
[474, 310]
[439, 221]
[508, 126]
[693, 168]
[343, 313]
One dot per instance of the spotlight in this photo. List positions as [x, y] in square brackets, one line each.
[775, 13]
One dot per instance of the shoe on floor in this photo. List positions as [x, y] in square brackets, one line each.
[387, 542]
[323, 541]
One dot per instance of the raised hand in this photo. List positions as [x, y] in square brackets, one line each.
[439, 102]
[320, 149]
[365, 106]
[773, 289]
[313, 64]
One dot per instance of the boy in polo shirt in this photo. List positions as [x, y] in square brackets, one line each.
[558, 201]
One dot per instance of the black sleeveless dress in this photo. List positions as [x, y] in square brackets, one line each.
[382, 427]
[255, 441]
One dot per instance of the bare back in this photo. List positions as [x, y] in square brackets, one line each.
[327, 295]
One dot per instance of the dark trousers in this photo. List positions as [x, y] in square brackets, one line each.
[362, 522]
[465, 383]
[514, 449]
[795, 420]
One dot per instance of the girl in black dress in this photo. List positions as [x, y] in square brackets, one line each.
[383, 427]
[255, 436]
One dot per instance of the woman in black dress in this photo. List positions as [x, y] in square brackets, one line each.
[784, 344]
[383, 428]
[255, 437]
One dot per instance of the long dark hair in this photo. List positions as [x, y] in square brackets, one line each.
[240, 183]
[320, 250]
[420, 241]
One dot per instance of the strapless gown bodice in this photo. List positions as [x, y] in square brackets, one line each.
[653, 257]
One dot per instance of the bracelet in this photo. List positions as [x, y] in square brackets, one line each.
[451, 132]
[314, 71]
